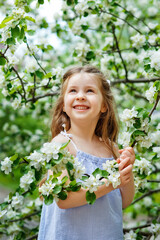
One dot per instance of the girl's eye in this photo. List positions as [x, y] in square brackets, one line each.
[90, 90]
[72, 90]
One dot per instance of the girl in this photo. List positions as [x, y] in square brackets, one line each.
[86, 107]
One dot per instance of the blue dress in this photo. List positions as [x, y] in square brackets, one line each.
[100, 221]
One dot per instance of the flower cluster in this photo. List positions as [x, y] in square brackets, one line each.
[93, 183]
[6, 165]
[114, 176]
[128, 116]
[26, 180]
[150, 93]
[138, 40]
[143, 166]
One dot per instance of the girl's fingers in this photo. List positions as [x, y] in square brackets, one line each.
[123, 163]
[126, 170]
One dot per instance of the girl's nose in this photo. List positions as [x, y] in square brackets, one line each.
[80, 96]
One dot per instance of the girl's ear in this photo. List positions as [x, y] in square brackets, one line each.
[103, 108]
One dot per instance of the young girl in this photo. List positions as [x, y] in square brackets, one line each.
[86, 107]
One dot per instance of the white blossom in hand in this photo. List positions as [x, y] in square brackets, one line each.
[114, 179]
[51, 150]
[26, 180]
[37, 159]
[6, 165]
[150, 94]
[93, 183]
[47, 188]
[110, 166]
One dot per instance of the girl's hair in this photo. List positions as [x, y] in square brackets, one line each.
[107, 125]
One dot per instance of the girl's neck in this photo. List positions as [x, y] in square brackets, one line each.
[84, 132]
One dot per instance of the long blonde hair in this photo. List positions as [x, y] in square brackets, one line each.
[107, 125]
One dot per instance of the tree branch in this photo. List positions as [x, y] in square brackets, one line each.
[42, 96]
[145, 195]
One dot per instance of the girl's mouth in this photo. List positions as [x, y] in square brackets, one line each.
[81, 107]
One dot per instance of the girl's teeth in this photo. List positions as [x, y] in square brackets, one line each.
[81, 108]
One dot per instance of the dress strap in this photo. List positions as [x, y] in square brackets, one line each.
[69, 136]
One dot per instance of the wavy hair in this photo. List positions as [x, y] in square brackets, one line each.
[107, 126]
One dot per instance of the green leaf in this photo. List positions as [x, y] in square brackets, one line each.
[90, 197]
[62, 195]
[64, 145]
[15, 32]
[157, 85]
[30, 18]
[48, 199]
[90, 55]
[40, 1]
[11, 41]
[57, 189]
[76, 187]
[104, 173]
[84, 27]
[96, 171]
[6, 20]
[64, 179]
[137, 123]
[22, 33]
[69, 2]
[84, 178]
[137, 133]
[2, 61]
[14, 157]
[69, 166]
[38, 174]
[39, 74]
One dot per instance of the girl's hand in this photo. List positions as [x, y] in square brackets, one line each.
[127, 152]
[125, 170]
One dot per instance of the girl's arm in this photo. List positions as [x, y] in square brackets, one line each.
[77, 199]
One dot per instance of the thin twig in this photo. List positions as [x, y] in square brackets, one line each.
[117, 46]
[155, 105]
[33, 237]
[140, 80]
[28, 216]
[42, 96]
[145, 195]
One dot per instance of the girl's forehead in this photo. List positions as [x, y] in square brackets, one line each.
[83, 79]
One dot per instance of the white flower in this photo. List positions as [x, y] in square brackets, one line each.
[26, 180]
[130, 235]
[144, 141]
[78, 170]
[152, 11]
[13, 60]
[158, 126]
[2, 82]
[152, 39]
[155, 60]
[128, 116]
[76, 28]
[51, 150]
[110, 166]
[157, 150]
[138, 40]
[81, 7]
[155, 136]
[5, 92]
[82, 48]
[18, 13]
[37, 159]
[152, 25]
[17, 200]
[11, 214]
[150, 94]
[47, 188]
[147, 201]
[31, 65]
[114, 179]
[2, 213]
[16, 103]
[143, 165]
[58, 72]
[92, 183]
[124, 139]
[155, 228]
[6, 165]
[13, 228]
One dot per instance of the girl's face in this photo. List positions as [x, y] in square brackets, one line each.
[83, 100]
